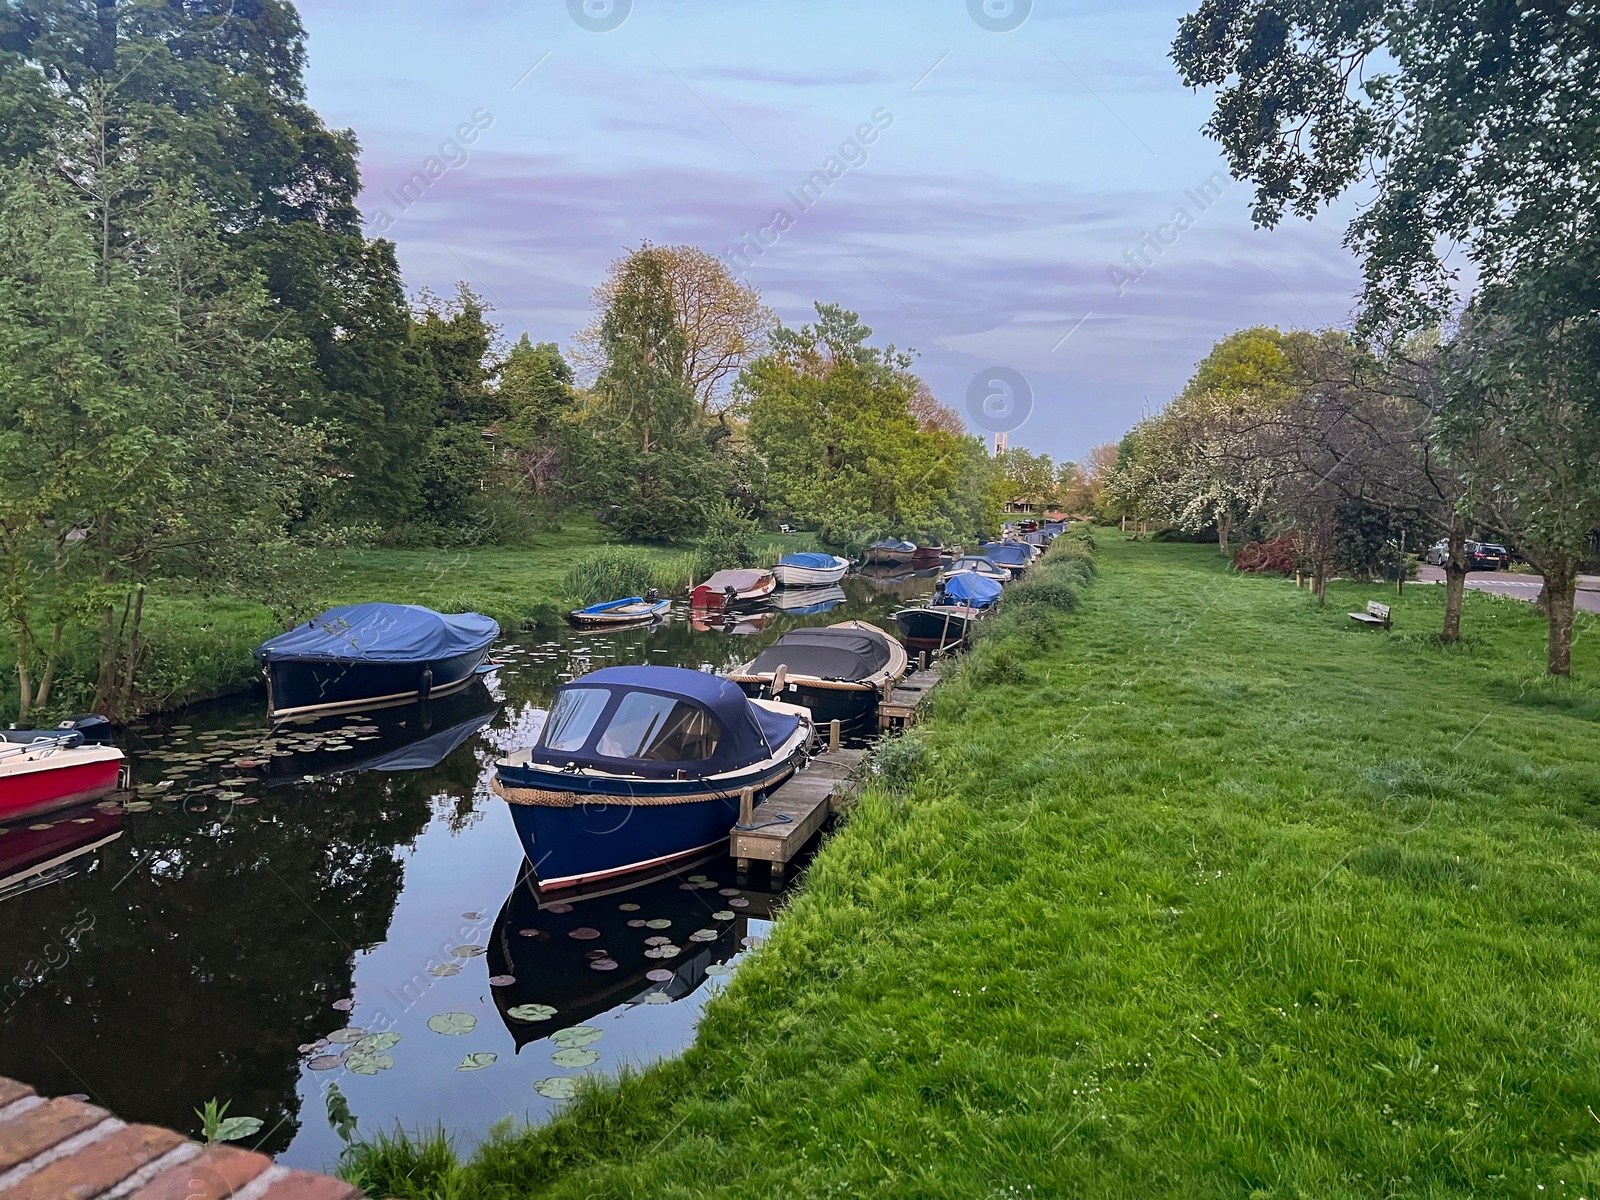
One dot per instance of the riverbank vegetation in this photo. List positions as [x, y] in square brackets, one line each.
[1215, 893]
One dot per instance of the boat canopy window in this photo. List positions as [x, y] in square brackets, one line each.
[572, 718]
[659, 729]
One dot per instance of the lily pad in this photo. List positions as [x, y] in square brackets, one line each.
[502, 980]
[348, 1036]
[527, 933]
[559, 908]
[594, 954]
[577, 1035]
[478, 1061]
[716, 970]
[659, 975]
[344, 1005]
[572, 1056]
[531, 1012]
[557, 1087]
[627, 907]
[469, 951]
[663, 952]
[727, 891]
[725, 914]
[636, 923]
[583, 933]
[603, 964]
[703, 935]
[314, 1047]
[658, 923]
[327, 1062]
[453, 1023]
[444, 970]
[360, 1063]
[377, 1043]
[657, 998]
[738, 902]
[231, 1129]
[659, 939]
[697, 879]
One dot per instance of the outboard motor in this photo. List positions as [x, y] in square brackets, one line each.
[652, 595]
[730, 596]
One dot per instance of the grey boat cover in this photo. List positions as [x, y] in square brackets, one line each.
[843, 654]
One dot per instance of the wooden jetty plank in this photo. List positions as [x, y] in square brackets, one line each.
[783, 822]
[906, 701]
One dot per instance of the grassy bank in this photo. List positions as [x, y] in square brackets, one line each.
[198, 646]
[1214, 894]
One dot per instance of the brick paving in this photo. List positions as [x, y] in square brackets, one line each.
[66, 1150]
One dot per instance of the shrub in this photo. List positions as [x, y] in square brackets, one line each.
[1281, 554]
[729, 540]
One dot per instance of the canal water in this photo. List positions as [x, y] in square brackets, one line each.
[272, 912]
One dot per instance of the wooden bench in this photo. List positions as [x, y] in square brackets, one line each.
[1376, 614]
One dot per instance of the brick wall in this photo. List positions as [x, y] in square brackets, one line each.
[63, 1150]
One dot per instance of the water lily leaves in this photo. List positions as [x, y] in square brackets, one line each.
[603, 964]
[627, 907]
[658, 940]
[727, 891]
[703, 935]
[659, 975]
[473, 951]
[360, 1063]
[594, 954]
[531, 1012]
[478, 1061]
[697, 879]
[378, 1043]
[573, 1057]
[231, 1129]
[559, 908]
[658, 923]
[527, 933]
[453, 1023]
[344, 1005]
[636, 923]
[577, 1035]
[348, 1036]
[134, 806]
[327, 1062]
[716, 970]
[558, 1087]
[725, 914]
[445, 970]
[583, 933]
[663, 952]
[314, 1047]
[738, 902]
[657, 998]
[502, 980]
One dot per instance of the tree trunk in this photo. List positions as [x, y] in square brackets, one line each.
[105, 686]
[125, 696]
[1455, 584]
[24, 679]
[1560, 593]
[1224, 525]
[49, 676]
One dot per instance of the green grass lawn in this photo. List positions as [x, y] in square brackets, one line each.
[199, 646]
[1222, 895]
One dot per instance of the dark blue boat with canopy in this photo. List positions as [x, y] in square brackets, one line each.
[1014, 556]
[963, 598]
[363, 655]
[637, 766]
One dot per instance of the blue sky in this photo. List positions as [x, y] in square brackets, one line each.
[1011, 172]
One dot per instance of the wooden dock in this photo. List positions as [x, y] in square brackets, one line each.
[904, 705]
[776, 829]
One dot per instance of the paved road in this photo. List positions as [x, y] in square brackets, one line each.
[1522, 587]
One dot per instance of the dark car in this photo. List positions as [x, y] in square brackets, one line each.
[1486, 556]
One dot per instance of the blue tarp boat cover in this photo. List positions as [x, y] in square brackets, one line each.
[818, 562]
[968, 587]
[894, 544]
[1008, 553]
[748, 731]
[380, 633]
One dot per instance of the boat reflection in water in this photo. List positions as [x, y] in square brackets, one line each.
[585, 950]
[415, 737]
[804, 602]
[55, 847]
[716, 621]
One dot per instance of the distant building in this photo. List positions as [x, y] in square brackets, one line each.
[999, 444]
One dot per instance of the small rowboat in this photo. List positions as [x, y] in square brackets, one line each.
[631, 611]
[838, 672]
[891, 551]
[810, 570]
[725, 589]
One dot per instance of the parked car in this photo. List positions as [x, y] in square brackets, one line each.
[1437, 554]
[1481, 556]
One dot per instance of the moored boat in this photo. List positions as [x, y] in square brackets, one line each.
[43, 770]
[634, 610]
[979, 564]
[361, 655]
[891, 551]
[728, 588]
[929, 555]
[1015, 557]
[838, 672]
[810, 570]
[641, 766]
[948, 618]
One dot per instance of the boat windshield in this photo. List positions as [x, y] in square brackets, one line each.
[659, 729]
[572, 717]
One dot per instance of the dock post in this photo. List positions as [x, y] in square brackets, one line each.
[742, 865]
[746, 805]
[922, 660]
[833, 735]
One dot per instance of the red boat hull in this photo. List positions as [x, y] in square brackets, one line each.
[28, 792]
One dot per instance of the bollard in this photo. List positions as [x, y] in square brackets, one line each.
[833, 734]
[746, 805]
